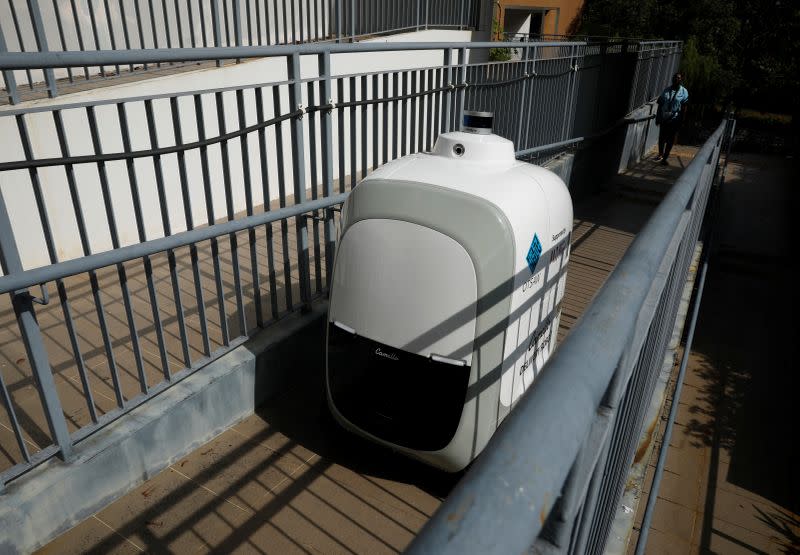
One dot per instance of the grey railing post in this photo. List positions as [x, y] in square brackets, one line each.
[237, 22]
[299, 174]
[338, 20]
[352, 19]
[416, 27]
[427, 2]
[462, 92]
[8, 75]
[448, 95]
[461, 15]
[41, 44]
[326, 139]
[215, 24]
[32, 338]
[522, 100]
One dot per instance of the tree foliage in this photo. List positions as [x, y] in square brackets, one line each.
[741, 52]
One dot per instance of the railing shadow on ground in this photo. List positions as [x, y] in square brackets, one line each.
[744, 378]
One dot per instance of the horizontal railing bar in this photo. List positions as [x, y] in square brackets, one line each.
[552, 146]
[161, 151]
[60, 270]
[44, 60]
[504, 500]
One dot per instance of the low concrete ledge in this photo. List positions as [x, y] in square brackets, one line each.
[55, 496]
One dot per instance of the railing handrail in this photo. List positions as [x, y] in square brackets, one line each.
[504, 500]
[59, 270]
[46, 60]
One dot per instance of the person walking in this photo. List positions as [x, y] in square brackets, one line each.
[670, 115]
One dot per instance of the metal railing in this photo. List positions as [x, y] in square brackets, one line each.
[170, 226]
[655, 63]
[185, 221]
[86, 25]
[555, 484]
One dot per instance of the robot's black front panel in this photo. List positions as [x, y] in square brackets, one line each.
[397, 396]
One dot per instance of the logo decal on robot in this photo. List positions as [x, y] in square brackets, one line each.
[390, 356]
[534, 252]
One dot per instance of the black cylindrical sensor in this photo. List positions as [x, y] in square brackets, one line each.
[477, 122]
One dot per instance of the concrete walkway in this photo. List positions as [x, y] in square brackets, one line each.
[731, 481]
[289, 480]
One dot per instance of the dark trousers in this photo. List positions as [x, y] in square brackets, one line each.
[667, 132]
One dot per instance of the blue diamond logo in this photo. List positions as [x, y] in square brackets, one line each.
[534, 253]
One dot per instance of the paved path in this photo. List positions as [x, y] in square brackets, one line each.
[731, 482]
[288, 479]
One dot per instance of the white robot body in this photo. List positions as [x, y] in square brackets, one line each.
[446, 296]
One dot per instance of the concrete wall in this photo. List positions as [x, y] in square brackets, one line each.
[56, 496]
[156, 30]
[16, 186]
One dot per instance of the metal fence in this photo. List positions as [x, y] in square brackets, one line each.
[85, 25]
[656, 61]
[555, 484]
[170, 227]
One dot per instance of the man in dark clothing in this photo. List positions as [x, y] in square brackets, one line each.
[670, 114]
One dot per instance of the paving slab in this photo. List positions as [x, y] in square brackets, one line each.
[732, 461]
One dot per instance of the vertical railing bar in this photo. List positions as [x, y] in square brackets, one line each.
[33, 174]
[78, 209]
[423, 84]
[61, 36]
[395, 114]
[299, 174]
[342, 155]
[262, 148]
[375, 128]
[248, 194]
[385, 113]
[125, 35]
[300, 19]
[189, 217]
[32, 338]
[258, 22]
[209, 199]
[364, 129]
[285, 19]
[216, 27]
[287, 263]
[339, 14]
[237, 23]
[431, 83]
[202, 13]
[110, 28]
[234, 240]
[448, 99]
[267, 34]
[95, 36]
[192, 32]
[352, 19]
[167, 227]
[22, 48]
[178, 22]
[327, 161]
[153, 27]
[404, 102]
[353, 135]
[139, 28]
[12, 415]
[412, 146]
[312, 148]
[167, 30]
[8, 75]
[107, 201]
